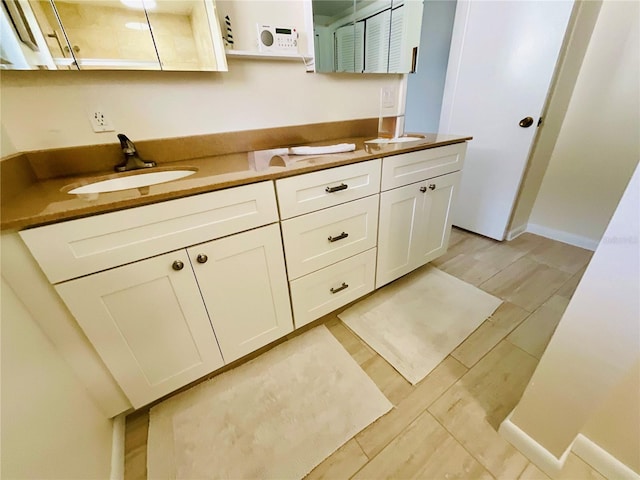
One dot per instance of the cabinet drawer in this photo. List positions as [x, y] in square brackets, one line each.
[406, 168]
[321, 292]
[318, 239]
[79, 247]
[313, 191]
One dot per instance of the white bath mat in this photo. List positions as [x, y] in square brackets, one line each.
[275, 417]
[415, 322]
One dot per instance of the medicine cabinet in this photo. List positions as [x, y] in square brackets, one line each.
[364, 36]
[111, 35]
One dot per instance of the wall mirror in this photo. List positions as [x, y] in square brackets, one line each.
[366, 36]
[111, 35]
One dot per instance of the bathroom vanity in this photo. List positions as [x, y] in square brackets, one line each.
[170, 289]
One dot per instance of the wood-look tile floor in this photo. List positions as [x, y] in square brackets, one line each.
[446, 425]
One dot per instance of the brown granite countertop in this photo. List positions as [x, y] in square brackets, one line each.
[45, 201]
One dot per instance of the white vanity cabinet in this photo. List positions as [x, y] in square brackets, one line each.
[159, 323]
[169, 292]
[415, 209]
[148, 323]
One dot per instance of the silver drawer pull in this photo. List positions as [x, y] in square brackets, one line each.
[339, 237]
[342, 186]
[339, 289]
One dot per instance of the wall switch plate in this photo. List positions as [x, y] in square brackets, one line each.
[388, 97]
[99, 121]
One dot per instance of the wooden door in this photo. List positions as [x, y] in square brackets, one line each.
[501, 63]
[148, 323]
[244, 286]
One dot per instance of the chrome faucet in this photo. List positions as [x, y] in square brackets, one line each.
[132, 161]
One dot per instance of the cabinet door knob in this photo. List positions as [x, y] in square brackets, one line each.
[432, 186]
[202, 258]
[177, 265]
[423, 189]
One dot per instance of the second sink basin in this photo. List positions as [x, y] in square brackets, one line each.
[133, 180]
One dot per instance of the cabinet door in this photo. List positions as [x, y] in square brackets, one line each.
[414, 226]
[433, 224]
[399, 209]
[244, 286]
[148, 323]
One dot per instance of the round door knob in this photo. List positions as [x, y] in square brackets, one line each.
[423, 189]
[177, 265]
[526, 122]
[202, 258]
[432, 186]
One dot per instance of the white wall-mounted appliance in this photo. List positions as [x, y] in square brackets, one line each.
[277, 39]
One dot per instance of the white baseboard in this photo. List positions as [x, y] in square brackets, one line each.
[561, 236]
[601, 460]
[516, 232]
[531, 449]
[117, 448]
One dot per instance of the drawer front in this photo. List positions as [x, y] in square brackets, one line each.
[319, 239]
[314, 191]
[78, 247]
[406, 168]
[321, 292]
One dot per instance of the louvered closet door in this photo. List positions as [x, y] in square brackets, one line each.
[348, 43]
[376, 54]
[395, 44]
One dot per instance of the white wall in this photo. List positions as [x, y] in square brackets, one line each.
[598, 146]
[50, 426]
[49, 109]
[425, 87]
[595, 346]
[615, 425]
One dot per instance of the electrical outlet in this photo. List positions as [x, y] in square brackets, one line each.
[99, 121]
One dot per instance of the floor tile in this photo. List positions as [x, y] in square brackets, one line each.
[377, 435]
[527, 242]
[533, 473]
[562, 256]
[135, 441]
[469, 268]
[505, 319]
[394, 386]
[343, 463]
[360, 351]
[534, 333]
[569, 287]
[475, 406]
[526, 283]
[468, 243]
[423, 450]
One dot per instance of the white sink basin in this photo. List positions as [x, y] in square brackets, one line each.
[135, 180]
